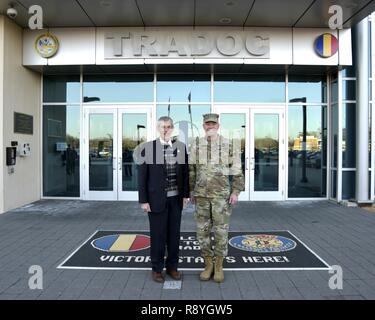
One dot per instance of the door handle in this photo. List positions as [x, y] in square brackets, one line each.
[120, 163]
[252, 164]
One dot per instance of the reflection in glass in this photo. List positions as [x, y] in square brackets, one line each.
[177, 88]
[333, 184]
[369, 136]
[307, 147]
[370, 90]
[266, 152]
[348, 185]
[334, 149]
[314, 88]
[134, 132]
[349, 90]
[348, 135]
[233, 126]
[246, 88]
[61, 89]
[334, 91]
[61, 154]
[324, 149]
[335, 133]
[101, 152]
[349, 71]
[187, 120]
[118, 88]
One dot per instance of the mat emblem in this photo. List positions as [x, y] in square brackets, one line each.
[122, 243]
[262, 243]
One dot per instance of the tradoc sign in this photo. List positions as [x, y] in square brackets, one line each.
[245, 44]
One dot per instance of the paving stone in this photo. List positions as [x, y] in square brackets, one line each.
[290, 293]
[353, 298]
[231, 293]
[48, 231]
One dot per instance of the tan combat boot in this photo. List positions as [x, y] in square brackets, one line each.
[208, 270]
[219, 273]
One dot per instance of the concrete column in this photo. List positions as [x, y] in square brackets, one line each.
[362, 124]
[20, 88]
[2, 157]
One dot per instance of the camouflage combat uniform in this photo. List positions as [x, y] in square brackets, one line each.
[215, 173]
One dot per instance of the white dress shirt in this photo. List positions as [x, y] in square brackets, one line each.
[165, 142]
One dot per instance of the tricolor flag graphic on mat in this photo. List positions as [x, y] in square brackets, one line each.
[122, 242]
[326, 45]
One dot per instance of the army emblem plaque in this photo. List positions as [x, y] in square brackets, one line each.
[46, 45]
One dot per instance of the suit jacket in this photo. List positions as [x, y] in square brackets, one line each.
[152, 174]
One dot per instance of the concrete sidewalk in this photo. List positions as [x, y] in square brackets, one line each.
[46, 232]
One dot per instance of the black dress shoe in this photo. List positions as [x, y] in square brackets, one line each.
[157, 277]
[174, 274]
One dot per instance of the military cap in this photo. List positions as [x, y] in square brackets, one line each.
[213, 117]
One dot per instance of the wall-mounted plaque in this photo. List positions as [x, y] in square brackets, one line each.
[23, 123]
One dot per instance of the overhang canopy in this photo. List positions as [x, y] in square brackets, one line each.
[149, 13]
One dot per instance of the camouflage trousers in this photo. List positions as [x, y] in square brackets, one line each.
[213, 214]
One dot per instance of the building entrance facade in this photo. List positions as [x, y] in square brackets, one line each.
[92, 124]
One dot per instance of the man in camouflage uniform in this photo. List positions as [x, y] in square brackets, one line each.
[216, 179]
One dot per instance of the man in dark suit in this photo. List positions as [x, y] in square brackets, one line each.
[163, 191]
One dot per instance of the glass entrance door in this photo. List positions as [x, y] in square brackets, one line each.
[234, 124]
[134, 129]
[266, 154]
[111, 134]
[262, 148]
[100, 163]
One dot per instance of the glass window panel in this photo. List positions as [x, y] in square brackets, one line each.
[333, 184]
[266, 152]
[232, 126]
[348, 89]
[118, 88]
[101, 152]
[334, 137]
[61, 154]
[348, 72]
[249, 88]
[324, 182]
[369, 135]
[324, 138]
[307, 147]
[312, 88]
[348, 185]
[61, 89]
[369, 46]
[324, 148]
[369, 185]
[370, 89]
[134, 132]
[188, 121]
[334, 91]
[177, 88]
[348, 135]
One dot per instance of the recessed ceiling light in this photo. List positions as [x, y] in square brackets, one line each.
[225, 20]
